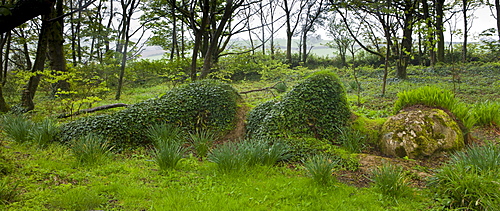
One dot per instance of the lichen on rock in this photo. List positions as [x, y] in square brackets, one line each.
[420, 134]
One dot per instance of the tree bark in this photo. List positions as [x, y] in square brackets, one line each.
[29, 93]
[466, 30]
[56, 49]
[440, 29]
[497, 8]
[24, 10]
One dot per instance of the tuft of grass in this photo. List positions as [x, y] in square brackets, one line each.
[44, 132]
[436, 97]
[202, 141]
[229, 157]
[391, 181]
[168, 141]
[167, 154]
[320, 168]
[234, 157]
[352, 140]
[470, 180]
[164, 133]
[8, 191]
[487, 113]
[90, 149]
[427, 95]
[17, 127]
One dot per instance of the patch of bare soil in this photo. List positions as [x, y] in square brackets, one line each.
[238, 133]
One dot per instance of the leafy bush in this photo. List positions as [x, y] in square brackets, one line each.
[17, 127]
[90, 149]
[315, 107]
[470, 179]
[202, 141]
[391, 181]
[320, 168]
[203, 104]
[487, 113]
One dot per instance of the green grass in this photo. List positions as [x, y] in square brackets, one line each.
[320, 169]
[90, 150]
[50, 182]
[470, 179]
[391, 181]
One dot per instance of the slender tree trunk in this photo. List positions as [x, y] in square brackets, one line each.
[304, 46]
[440, 29]
[32, 86]
[3, 41]
[466, 31]
[497, 7]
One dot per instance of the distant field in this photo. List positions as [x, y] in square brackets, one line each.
[319, 48]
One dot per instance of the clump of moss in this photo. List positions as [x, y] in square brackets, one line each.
[205, 104]
[316, 107]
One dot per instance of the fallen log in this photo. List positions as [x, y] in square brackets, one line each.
[90, 110]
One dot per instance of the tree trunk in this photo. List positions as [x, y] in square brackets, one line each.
[466, 31]
[56, 49]
[497, 7]
[304, 47]
[30, 91]
[3, 40]
[440, 30]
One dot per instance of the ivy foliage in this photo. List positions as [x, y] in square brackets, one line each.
[206, 104]
[316, 107]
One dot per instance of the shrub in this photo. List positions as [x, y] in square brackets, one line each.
[315, 107]
[17, 127]
[320, 168]
[202, 141]
[90, 149]
[470, 179]
[487, 113]
[202, 104]
[391, 181]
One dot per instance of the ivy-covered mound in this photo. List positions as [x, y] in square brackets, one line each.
[203, 104]
[316, 107]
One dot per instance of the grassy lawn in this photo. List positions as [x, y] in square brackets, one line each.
[51, 179]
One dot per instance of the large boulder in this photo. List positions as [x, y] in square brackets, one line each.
[420, 133]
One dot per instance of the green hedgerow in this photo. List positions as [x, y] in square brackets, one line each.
[315, 107]
[202, 104]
